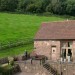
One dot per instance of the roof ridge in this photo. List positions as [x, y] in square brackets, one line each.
[59, 21]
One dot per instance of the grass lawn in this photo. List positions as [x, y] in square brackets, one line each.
[19, 26]
[15, 51]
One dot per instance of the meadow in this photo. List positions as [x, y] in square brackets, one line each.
[20, 27]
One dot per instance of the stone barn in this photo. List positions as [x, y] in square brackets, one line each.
[56, 40]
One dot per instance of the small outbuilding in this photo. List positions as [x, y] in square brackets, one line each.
[56, 40]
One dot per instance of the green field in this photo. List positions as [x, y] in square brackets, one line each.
[19, 26]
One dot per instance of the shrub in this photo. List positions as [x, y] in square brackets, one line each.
[10, 69]
[47, 14]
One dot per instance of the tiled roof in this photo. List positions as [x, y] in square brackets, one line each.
[57, 30]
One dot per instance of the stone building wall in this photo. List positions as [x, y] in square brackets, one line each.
[45, 48]
[42, 48]
[73, 51]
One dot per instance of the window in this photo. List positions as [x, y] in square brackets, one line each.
[64, 44]
[53, 50]
[67, 44]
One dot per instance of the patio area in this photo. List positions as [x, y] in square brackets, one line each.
[32, 69]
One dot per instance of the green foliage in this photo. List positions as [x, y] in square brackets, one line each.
[70, 9]
[57, 8]
[8, 5]
[31, 8]
[6, 70]
[49, 8]
[47, 14]
[22, 4]
[9, 69]
[39, 6]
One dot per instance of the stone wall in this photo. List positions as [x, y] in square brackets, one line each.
[73, 51]
[65, 68]
[42, 48]
[45, 48]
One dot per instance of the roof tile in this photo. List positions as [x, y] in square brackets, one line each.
[57, 30]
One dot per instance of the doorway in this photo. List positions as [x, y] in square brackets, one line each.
[54, 53]
[66, 54]
[63, 54]
[69, 52]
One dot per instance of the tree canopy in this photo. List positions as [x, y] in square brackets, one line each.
[60, 7]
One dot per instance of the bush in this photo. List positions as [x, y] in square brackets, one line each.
[6, 70]
[10, 70]
[47, 14]
[12, 63]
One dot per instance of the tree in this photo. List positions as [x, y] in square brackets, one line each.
[31, 8]
[70, 9]
[12, 5]
[8, 5]
[22, 5]
[0, 5]
[3, 5]
[57, 9]
[44, 4]
[49, 8]
[34, 7]
[39, 6]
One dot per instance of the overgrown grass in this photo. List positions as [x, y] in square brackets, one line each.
[18, 27]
